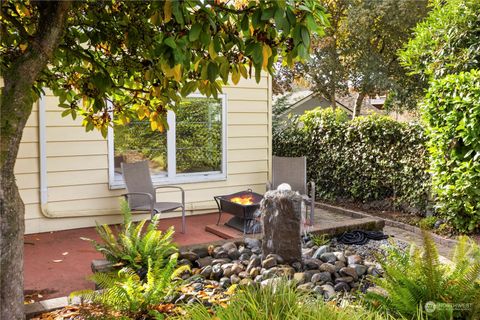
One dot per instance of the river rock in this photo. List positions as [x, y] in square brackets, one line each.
[189, 255]
[300, 277]
[254, 262]
[342, 286]
[322, 277]
[285, 271]
[328, 291]
[354, 259]
[307, 252]
[243, 274]
[318, 290]
[244, 257]
[349, 272]
[328, 267]
[254, 272]
[297, 266]
[306, 287]
[206, 271]
[233, 254]
[234, 279]
[312, 264]
[225, 282]
[217, 272]
[340, 256]
[237, 268]
[229, 245]
[321, 250]
[269, 262]
[339, 265]
[205, 261]
[221, 261]
[344, 279]
[360, 269]
[246, 282]
[227, 272]
[201, 251]
[252, 243]
[220, 253]
[277, 257]
[328, 257]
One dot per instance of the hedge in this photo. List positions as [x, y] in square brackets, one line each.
[452, 113]
[366, 159]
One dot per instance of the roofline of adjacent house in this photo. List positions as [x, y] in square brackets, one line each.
[312, 95]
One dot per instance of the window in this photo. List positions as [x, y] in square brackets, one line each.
[193, 149]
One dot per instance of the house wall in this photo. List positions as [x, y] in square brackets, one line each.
[77, 164]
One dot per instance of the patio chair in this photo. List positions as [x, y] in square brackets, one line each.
[293, 170]
[141, 195]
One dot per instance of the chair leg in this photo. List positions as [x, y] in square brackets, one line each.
[183, 219]
[312, 212]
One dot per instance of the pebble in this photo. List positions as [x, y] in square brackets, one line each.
[228, 246]
[328, 291]
[189, 255]
[252, 243]
[360, 269]
[205, 261]
[354, 259]
[343, 279]
[306, 287]
[328, 257]
[322, 277]
[233, 254]
[328, 267]
[342, 286]
[299, 277]
[206, 271]
[321, 250]
[254, 262]
[349, 272]
[269, 262]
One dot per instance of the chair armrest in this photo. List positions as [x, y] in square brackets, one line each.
[312, 190]
[174, 187]
[150, 197]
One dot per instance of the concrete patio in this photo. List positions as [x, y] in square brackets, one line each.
[57, 263]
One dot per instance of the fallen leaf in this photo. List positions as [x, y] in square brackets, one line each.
[65, 253]
[59, 260]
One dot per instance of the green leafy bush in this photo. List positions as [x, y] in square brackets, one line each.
[277, 302]
[132, 246]
[452, 113]
[135, 298]
[368, 158]
[416, 277]
[427, 223]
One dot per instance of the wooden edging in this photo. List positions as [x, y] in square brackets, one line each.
[391, 223]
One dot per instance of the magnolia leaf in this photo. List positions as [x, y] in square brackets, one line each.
[243, 70]
[194, 33]
[266, 53]
[167, 10]
[211, 50]
[235, 76]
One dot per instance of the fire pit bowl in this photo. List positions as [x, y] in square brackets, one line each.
[243, 206]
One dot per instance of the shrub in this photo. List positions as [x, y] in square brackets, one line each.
[133, 247]
[452, 113]
[427, 223]
[368, 158]
[415, 277]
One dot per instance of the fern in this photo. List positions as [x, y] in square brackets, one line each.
[133, 244]
[416, 277]
[124, 291]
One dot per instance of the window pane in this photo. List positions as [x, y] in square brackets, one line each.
[199, 135]
[136, 142]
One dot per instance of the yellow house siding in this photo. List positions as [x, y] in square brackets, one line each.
[77, 164]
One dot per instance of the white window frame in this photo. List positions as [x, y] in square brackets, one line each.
[172, 177]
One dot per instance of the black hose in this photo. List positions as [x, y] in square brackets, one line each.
[360, 237]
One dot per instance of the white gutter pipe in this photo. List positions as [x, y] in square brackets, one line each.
[42, 143]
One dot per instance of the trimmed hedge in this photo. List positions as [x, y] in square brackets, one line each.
[452, 112]
[366, 159]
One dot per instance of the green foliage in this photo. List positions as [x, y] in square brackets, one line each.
[413, 278]
[427, 223]
[130, 246]
[368, 158]
[126, 292]
[143, 56]
[452, 113]
[319, 239]
[447, 41]
[277, 302]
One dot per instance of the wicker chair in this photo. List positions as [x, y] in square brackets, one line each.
[293, 170]
[141, 195]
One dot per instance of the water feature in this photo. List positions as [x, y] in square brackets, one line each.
[281, 224]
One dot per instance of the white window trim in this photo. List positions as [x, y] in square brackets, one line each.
[172, 176]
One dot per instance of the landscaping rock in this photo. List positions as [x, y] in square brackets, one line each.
[312, 264]
[201, 251]
[252, 243]
[328, 257]
[339, 265]
[322, 277]
[342, 286]
[237, 268]
[299, 277]
[221, 261]
[328, 267]
[349, 272]
[328, 291]
[206, 271]
[360, 269]
[306, 287]
[344, 279]
[205, 261]
[321, 250]
[246, 282]
[340, 256]
[254, 262]
[354, 259]
[269, 262]
[217, 272]
[228, 246]
[233, 254]
[189, 255]
[234, 279]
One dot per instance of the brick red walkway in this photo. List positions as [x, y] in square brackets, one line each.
[57, 263]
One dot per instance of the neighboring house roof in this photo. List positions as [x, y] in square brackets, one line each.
[305, 100]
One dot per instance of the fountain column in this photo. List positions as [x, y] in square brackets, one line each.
[281, 217]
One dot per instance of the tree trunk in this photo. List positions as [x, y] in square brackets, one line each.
[358, 104]
[16, 105]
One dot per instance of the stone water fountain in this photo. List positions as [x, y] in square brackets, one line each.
[281, 224]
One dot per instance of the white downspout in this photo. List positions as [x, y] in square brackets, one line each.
[43, 175]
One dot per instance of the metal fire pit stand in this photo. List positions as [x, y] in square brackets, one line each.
[244, 216]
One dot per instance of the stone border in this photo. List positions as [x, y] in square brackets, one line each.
[391, 223]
